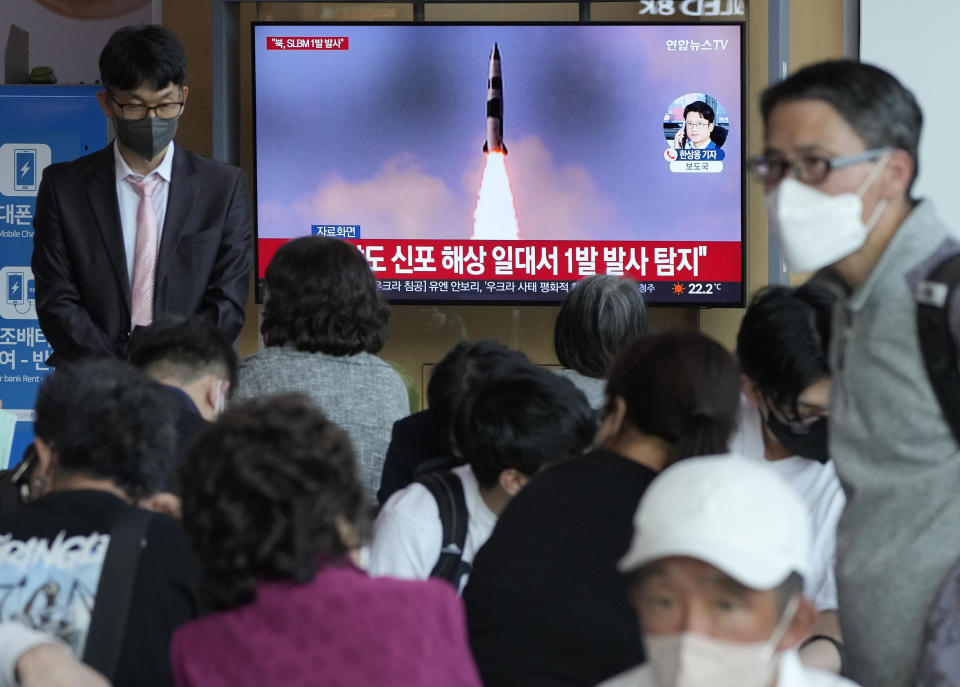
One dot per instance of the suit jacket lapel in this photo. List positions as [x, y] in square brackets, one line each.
[102, 192]
[180, 199]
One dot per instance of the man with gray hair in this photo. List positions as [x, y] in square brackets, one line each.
[839, 161]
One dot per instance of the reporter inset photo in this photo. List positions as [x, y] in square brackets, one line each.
[696, 120]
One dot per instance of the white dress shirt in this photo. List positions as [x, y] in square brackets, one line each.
[129, 201]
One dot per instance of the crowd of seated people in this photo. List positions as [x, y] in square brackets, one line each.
[660, 513]
[276, 573]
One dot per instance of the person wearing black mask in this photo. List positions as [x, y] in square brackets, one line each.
[143, 227]
[785, 406]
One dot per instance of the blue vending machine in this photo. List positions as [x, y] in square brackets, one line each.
[38, 125]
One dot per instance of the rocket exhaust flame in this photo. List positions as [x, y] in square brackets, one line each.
[495, 216]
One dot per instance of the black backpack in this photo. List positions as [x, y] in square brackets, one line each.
[447, 490]
[934, 296]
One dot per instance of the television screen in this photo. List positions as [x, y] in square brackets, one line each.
[503, 162]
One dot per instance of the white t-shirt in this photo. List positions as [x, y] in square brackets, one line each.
[408, 535]
[818, 486]
[792, 673]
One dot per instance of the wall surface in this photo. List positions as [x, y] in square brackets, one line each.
[32, 35]
[924, 66]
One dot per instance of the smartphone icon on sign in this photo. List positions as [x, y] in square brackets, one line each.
[25, 170]
[15, 288]
[31, 290]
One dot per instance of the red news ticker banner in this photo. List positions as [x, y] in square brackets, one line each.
[308, 43]
[555, 260]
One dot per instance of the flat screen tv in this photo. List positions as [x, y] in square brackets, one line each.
[495, 163]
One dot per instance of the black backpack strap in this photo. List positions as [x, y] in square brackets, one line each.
[115, 590]
[447, 490]
[934, 296]
[436, 464]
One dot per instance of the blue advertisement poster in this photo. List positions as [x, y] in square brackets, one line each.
[39, 125]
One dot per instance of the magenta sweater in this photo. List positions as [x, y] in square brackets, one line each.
[342, 629]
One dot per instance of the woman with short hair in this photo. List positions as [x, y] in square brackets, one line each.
[323, 323]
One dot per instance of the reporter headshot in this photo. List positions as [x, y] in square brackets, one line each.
[698, 124]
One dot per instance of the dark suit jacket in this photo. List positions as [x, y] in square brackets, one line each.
[414, 450]
[190, 424]
[82, 285]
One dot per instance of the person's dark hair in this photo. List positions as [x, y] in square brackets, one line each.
[701, 108]
[107, 420]
[322, 297]
[266, 491]
[597, 319]
[783, 339]
[680, 386]
[522, 417]
[875, 105]
[184, 350]
[454, 376]
[148, 55]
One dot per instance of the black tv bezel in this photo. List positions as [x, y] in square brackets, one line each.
[740, 24]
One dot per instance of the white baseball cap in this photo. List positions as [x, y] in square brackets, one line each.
[734, 513]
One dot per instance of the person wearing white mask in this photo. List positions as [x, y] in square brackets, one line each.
[197, 367]
[840, 158]
[720, 549]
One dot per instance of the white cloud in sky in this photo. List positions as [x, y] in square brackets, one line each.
[555, 202]
[402, 201]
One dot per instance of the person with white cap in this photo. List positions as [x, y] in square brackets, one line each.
[720, 549]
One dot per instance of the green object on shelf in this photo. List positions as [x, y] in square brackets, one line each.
[42, 75]
[411, 384]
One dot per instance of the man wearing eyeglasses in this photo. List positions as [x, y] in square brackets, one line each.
[839, 162]
[142, 228]
[697, 129]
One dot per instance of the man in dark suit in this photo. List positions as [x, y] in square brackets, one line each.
[144, 227]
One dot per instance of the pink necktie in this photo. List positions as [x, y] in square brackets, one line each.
[145, 252]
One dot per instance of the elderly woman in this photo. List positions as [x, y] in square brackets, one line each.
[273, 508]
[600, 316]
[323, 321]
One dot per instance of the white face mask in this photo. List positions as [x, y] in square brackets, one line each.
[688, 659]
[220, 403]
[818, 229]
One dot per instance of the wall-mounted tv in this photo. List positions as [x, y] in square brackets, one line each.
[500, 163]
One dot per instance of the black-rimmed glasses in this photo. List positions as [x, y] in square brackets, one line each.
[139, 111]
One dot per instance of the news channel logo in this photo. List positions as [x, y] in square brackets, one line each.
[21, 167]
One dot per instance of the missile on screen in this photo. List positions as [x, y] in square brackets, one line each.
[494, 142]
